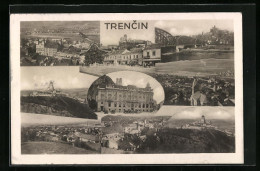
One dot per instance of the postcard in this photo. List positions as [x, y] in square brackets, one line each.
[150, 88]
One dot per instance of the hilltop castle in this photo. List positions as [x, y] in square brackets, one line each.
[50, 91]
[201, 124]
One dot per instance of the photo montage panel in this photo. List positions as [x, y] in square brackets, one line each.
[161, 87]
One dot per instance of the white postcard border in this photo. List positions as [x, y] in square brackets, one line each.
[188, 158]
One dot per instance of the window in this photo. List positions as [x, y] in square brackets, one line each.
[124, 105]
[119, 104]
[154, 53]
[143, 105]
[148, 54]
[115, 104]
[101, 102]
[109, 104]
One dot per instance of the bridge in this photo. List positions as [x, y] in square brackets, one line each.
[165, 38]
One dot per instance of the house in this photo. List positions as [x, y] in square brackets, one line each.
[87, 137]
[117, 57]
[47, 49]
[151, 55]
[134, 56]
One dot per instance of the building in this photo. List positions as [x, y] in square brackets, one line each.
[132, 57]
[40, 48]
[47, 49]
[50, 91]
[115, 97]
[115, 57]
[200, 124]
[197, 97]
[151, 54]
[125, 57]
[127, 43]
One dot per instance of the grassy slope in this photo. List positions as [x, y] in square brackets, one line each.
[52, 148]
[61, 103]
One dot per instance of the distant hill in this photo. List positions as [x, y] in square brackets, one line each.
[188, 141]
[219, 123]
[57, 105]
[75, 92]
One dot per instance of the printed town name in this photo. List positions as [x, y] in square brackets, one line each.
[127, 25]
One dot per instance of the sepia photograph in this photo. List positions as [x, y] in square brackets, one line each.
[91, 89]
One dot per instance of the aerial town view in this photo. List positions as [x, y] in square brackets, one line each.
[133, 134]
[90, 87]
[63, 43]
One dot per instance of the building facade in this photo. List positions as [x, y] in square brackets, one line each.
[125, 57]
[46, 49]
[151, 55]
[121, 99]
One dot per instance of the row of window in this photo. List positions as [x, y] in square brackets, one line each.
[124, 105]
[147, 110]
[124, 57]
[153, 53]
[124, 96]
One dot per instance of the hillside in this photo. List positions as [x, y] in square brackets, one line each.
[52, 148]
[219, 123]
[58, 105]
[188, 141]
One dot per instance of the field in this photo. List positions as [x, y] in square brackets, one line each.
[52, 148]
[201, 67]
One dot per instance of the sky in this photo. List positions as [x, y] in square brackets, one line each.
[174, 27]
[140, 80]
[66, 77]
[208, 111]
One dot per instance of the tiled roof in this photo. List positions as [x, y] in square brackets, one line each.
[51, 45]
[153, 46]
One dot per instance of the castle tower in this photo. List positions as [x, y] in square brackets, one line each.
[51, 86]
[203, 120]
[148, 85]
[125, 37]
[119, 81]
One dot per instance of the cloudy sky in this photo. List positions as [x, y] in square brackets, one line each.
[140, 80]
[64, 78]
[176, 27]
[195, 112]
